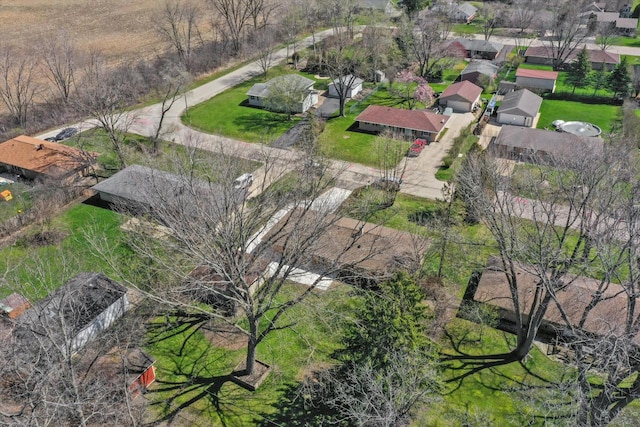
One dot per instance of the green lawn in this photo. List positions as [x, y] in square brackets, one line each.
[229, 115]
[600, 115]
[21, 201]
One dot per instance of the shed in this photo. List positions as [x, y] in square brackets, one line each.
[476, 69]
[536, 79]
[462, 97]
[519, 108]
[348, 85]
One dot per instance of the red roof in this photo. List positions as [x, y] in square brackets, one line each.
[537, 74]
[464, 89]
[405, 119]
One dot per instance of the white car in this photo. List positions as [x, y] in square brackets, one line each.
[243, 182]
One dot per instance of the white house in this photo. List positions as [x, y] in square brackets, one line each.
[352, 84]
[288, 82]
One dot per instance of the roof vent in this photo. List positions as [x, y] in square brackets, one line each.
[38, 147]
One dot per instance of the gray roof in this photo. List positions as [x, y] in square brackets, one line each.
[349, 79]
[295, 80]
[467, 8]
[553, 143]
[482, 67]
[373, 4]
[521, 102]
[480, 45]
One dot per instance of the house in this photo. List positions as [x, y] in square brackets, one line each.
[76, 313]
[538, 145]
[462, 97]
[351, 250]
[598, 58]
[492, 288]
[408, 123]
[145, 191]
[479, 70]
[519, 108]
[14, 305]
[464, 12]
[348, 85]
[479, 49]
[621, 21]
[627, 26]
[37, 159]
[385, 6]
[538, 80]
[290, 83]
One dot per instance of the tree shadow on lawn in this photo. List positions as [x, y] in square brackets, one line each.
[294, 408]
[188, 377]
[263, 124]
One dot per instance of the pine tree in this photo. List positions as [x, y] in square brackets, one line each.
[579, 70]
[618, 80]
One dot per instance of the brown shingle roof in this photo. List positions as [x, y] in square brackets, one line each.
[47, 158]
[405, 119]
[537, 74]
[602, 320]
[462, 90]
[595, 55]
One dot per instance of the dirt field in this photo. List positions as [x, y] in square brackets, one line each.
[122, 29]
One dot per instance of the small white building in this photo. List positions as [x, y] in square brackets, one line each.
[352, 86]
[536, 79]
[288, 82]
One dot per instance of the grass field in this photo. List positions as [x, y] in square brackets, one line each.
[21, 200]
[600, 115]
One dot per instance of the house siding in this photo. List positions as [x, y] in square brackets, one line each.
[100, 323]
[513, 119]
[534, 83]
[373, 127]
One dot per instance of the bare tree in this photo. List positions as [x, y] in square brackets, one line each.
[582, 222]
[104, 96]
[61, 59]
[605, 33]
[18, 84]
[177, 24]
[260, 12]
[377, 45]
[265, 45]
[235, 14]
[523, 15]
[245, 252]
[493, 15]
[343, 62]
[564, 29]
[168, 90]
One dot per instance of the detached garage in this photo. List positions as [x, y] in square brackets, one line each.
[519, 108]
[462, 97]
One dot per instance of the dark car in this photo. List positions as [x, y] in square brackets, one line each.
[417, 147]
[66, 133]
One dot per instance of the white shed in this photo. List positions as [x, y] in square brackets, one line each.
[352, 84]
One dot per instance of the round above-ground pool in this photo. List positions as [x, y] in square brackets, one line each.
[577, 128]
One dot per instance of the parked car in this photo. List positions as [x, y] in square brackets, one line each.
[62, 135]
[243, 182]
[417, 147]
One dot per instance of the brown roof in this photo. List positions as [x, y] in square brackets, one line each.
[47, 158]
[595, 55]
[462, 90]
[603, 319]
[346, 243]
[114, 364]
[537, 74]
[405, 119]
[14, 305]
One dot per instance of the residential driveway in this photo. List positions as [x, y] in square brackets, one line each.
[490, 131]
[419, 177]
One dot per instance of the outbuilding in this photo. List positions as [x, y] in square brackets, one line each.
[539, 80]
[348, 85]
[461, 97]
[519, 108]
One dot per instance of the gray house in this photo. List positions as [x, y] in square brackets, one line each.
[294, 83]
[385, 6]
[538, 145]
[519, 108]
[479, 49]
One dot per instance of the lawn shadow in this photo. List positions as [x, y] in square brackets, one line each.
[295, 408]
[263, 123]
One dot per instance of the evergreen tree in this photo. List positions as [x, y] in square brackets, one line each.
[579, 70]
[618, 81]
[598, 79]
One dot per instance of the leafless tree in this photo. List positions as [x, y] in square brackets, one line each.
[260, 12]
[168, 90]
[265, 45]
[522, 16]
[377, 45]
[343, 62]
[245, 251]
[427, 45]
[18, 83]
[341, 15]
[605, 33]
[177, 24]
[104, 96]
[236, 15]
[564, 29]
[575, 222]
[493, 15]
[61, 60]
